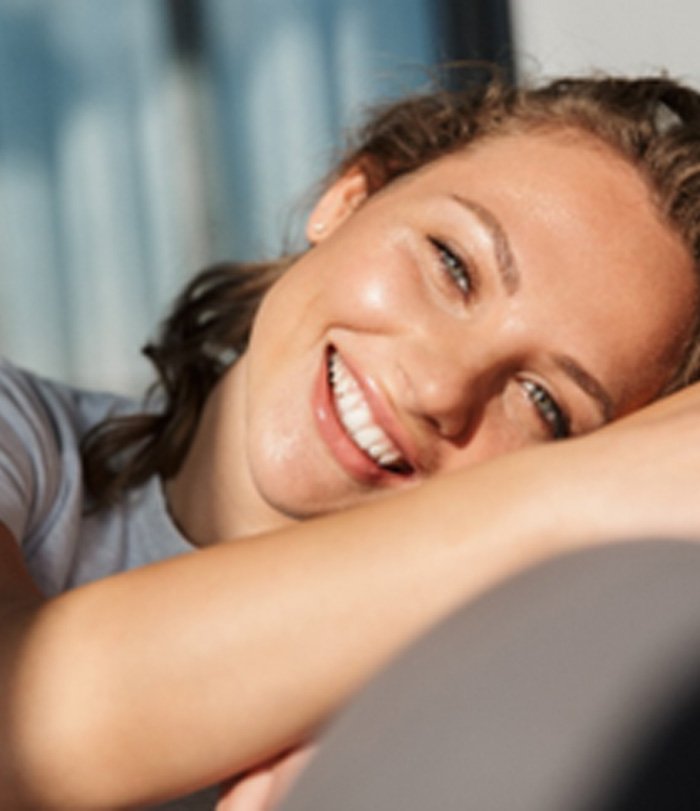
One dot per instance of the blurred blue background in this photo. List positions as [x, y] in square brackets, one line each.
[141, 140]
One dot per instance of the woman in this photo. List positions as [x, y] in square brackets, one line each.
[490, 270]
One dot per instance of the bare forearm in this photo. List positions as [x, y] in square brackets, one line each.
[163, 679]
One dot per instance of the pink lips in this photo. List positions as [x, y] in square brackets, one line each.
[351, 458]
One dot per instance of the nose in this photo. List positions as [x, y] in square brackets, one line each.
[449, 387]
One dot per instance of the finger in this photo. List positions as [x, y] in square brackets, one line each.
[287, 773]
[250, 793]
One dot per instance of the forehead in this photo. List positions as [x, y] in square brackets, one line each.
[589, 241]
[561, 163]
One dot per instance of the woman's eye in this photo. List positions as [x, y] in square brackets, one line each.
[548, 409]
[455, 268]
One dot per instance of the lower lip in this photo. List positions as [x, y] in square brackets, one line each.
[354, 461]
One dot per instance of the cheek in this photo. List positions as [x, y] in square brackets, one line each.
[374, 289]
[366, 298]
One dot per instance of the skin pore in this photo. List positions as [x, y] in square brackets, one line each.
[519, 291]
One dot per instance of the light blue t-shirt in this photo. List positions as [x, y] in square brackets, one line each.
[42, 498]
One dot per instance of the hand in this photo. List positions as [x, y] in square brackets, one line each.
[262, 788]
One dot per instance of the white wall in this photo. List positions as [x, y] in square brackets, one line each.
[555, 37]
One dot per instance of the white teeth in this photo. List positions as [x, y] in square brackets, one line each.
[344, 386]
[356, 416]
[351, 399]
[367, 437]
[388, 458]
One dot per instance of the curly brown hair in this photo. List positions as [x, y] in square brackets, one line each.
[654, 122]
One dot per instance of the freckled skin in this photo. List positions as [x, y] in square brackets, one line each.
[602, 280]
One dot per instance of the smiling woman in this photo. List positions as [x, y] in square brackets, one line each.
[453, 356]
[488, 270]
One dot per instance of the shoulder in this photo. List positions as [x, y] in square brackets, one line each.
[26, 428]
[41, 425]
[54, 403]
[28, 449]
[34, 414]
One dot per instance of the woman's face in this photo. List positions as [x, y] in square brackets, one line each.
[521, 291]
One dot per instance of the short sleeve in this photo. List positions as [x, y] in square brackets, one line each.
[29, 454]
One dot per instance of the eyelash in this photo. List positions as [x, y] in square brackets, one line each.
[454, 267]
[547, 407]
[549, 410]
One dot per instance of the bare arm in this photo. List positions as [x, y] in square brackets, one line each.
[161, 679]
[157, 681]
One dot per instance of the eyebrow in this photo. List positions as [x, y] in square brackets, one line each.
[510, 276]
[592, 386]
[505, 261]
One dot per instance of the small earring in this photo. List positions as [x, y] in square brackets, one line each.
[319, 227]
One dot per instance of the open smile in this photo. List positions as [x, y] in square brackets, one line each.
[357, 420]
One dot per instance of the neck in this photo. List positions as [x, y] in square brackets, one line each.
[212, 498]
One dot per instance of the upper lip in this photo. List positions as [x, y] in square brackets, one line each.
[383, 413]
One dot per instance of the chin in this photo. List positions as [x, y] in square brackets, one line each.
[299, 491]
[301, 501]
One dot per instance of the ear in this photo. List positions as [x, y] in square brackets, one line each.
[338, 202]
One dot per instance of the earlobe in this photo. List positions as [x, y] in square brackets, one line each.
[338, 202]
